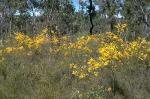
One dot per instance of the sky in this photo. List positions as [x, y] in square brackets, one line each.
[76, 4]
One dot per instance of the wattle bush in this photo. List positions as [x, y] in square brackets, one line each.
[100, 66]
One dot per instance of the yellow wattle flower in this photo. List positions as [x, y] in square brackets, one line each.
[96, 74]
[45, 30]
[9, 50]
[20, 37]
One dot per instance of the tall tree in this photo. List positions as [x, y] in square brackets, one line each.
[91, 10]
[137, 14]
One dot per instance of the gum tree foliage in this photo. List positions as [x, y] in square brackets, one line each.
[93, 16]
[137, 14]
[30, 15]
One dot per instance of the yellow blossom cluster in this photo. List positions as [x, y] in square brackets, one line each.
[111, 52]
[93, 65]
[79, 73]
[111, 37]
[108, 53]
[40, 40]
[10, 50]
[25, 42]
[20, 37]
[54, 40]
[91, 53]
[121, 27]
[31, 42]
[82, 43]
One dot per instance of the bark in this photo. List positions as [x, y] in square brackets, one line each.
[91, 17]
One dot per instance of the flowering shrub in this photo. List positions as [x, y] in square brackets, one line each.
[99, 56]
[112, 51]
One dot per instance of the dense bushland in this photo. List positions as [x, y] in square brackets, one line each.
[101, 66]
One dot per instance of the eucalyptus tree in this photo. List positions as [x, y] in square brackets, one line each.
[137, 14]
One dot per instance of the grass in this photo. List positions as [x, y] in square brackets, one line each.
[103, 67]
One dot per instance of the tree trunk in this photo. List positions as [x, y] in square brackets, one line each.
[91, 17]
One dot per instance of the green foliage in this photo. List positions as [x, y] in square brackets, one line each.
[97, 93]
[36, 65]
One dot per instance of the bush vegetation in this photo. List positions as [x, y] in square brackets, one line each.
[100, 66]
